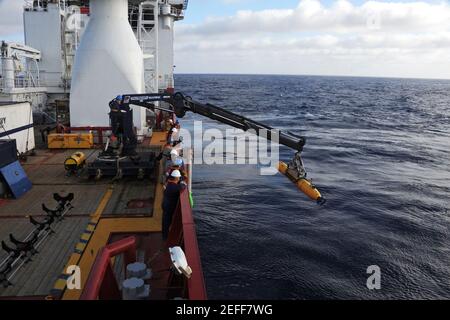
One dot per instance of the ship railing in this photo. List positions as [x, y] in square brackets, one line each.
[182, 233]
[101, 283]
[166, 82]
[29, 4]
[26, 83]
[174, 11]
[41, 4]
[21, 83]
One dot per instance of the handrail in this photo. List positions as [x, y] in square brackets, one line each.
[101, 283]
[196, 284]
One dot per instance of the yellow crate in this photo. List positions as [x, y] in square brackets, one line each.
[70, 141]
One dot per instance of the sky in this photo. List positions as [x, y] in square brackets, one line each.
[382, 38]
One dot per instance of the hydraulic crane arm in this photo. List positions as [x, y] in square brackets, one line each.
[181, 104]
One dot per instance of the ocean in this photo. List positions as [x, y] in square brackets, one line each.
[379, 151]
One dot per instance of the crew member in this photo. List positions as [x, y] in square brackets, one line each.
[178, 164]
[170, 127]
[170, 153]
[174, 155]
[165, 153]
[170, 201]
[171, 136]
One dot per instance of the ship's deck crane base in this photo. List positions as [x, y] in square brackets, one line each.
[139, 166]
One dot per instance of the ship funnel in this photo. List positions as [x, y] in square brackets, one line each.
[108, 62]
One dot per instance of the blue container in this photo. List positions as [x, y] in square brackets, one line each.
[16, 179]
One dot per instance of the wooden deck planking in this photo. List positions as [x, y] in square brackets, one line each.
[63, 256]
[30, 275]
[40, 156]
[58, 254]
[127, 191]
[19, 227]
[46, 171]
[86, 199]
[38, 276]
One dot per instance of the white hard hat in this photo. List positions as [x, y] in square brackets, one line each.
[174, 152]
[176, 174]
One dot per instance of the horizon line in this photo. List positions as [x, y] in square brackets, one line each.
[311, 75]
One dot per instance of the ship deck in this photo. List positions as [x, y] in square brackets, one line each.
[103, 211]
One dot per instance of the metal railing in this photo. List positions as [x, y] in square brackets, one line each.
[41, 4]
[174, 11]
[166, 82]
[182, 233]
[21, 83]
[101, 283]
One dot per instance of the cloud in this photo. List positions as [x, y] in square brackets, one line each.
[376, 38]
[341, 17]
[399, 38]
[10, 17]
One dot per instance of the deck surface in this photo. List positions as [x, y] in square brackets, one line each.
[46, 172]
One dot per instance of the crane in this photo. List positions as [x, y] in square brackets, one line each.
[122, 128]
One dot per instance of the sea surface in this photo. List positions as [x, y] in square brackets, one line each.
[379, 151]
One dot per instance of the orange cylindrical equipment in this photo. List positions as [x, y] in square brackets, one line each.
[303, 184]
[75, 162]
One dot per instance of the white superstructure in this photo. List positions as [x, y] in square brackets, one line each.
[20, 78]
[16, 122]
[128, 48]
[109, 61]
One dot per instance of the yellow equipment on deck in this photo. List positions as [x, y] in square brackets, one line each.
[75, 162]
[70, 140]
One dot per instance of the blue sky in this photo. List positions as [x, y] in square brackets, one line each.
[198, 10]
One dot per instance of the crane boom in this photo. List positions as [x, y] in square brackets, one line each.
[180, 105]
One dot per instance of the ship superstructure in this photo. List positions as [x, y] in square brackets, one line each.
[53, 32]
